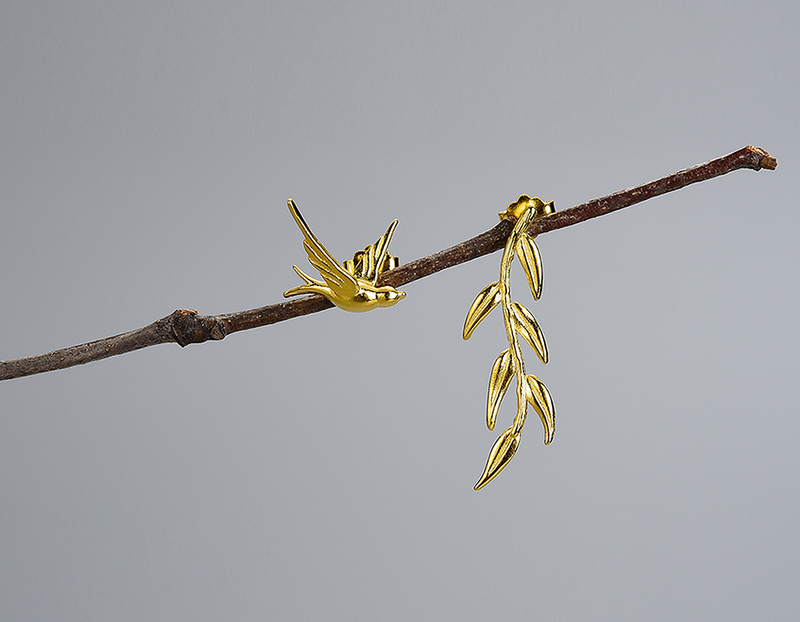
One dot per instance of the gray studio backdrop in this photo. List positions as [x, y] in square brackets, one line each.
[322, 468]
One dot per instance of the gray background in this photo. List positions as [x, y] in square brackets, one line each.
[322, 468]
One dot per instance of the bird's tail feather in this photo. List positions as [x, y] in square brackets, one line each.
[311, 286]
[308, 279]
[300, 289]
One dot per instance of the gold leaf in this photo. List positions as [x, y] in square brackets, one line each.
[503, 450]
[499, 381]
[539, 397]
[482, 306]
[531, 261]
[528, 327]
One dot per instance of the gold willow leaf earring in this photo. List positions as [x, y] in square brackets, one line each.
[517, 320]
[350, 287]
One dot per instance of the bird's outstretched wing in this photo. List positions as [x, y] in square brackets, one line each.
[341, 282]
[375, 259]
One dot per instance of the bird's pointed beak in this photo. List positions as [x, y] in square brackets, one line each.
[393, 297]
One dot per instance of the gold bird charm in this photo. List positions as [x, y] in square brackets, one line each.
[350, 287]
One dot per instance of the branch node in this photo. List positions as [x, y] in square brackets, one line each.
[189, 327]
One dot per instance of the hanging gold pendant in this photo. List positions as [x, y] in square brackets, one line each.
[350, 286]
[518, 321]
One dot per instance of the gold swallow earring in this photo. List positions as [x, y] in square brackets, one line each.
[518, 321]
[350, 286]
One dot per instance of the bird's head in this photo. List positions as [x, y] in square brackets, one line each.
[387, 296]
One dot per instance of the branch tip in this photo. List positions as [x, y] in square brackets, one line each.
[766, 161]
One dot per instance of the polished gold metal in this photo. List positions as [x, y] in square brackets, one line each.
[518, 320]
[350, 287]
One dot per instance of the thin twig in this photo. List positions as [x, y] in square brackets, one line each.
[185, 326]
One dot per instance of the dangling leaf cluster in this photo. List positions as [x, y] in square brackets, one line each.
[518, 321]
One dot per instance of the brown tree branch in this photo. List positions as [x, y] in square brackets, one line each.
[185, 326]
